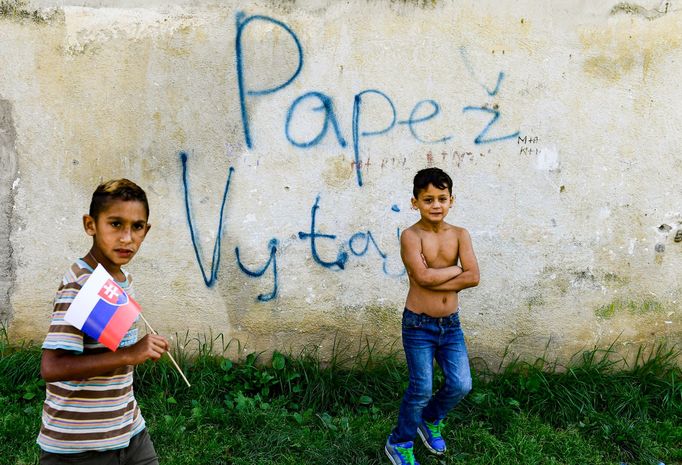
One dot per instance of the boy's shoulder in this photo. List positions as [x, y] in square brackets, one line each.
[77, 273]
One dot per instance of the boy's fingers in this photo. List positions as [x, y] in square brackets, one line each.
[161, 343]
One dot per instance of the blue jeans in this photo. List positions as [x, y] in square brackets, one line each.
[424, 338]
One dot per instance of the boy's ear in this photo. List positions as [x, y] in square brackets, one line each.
[414, 203]
[89, 224]
[147, 228]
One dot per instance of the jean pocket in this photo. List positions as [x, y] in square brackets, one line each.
[411, 320]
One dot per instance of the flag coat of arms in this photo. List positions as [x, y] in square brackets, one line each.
[103, 310]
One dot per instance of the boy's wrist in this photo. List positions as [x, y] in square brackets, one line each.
[126, 356]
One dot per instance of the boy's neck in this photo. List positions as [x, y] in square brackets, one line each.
[433, 227]
[98, 259]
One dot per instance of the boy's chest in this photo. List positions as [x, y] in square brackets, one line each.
[440, 251]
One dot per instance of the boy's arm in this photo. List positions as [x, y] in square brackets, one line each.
[411, 253]
[470, 275]
[63, 365]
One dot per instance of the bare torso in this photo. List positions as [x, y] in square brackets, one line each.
[440, 249]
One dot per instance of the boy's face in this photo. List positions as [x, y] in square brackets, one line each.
[433, 203]
[118, 230]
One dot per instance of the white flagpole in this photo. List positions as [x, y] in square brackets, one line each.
[167, 352]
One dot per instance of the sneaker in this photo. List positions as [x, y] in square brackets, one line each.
[430, 434]
[400, 453]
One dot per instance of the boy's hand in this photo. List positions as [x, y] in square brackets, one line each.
[152, 346]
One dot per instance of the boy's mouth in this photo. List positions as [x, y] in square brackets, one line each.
[124, 252]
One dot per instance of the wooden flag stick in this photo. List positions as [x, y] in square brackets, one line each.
[168, 352]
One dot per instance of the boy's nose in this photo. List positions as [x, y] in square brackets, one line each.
[126, 235]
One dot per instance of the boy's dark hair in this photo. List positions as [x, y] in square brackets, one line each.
[435, 176]
[116, 189]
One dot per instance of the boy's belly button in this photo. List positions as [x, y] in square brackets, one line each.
[445, 299]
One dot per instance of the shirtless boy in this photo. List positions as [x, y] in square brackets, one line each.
[440, 262]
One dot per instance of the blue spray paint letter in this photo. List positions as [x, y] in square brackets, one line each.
[357, 110]
[215, 259]
[342, 256]
[403, 271]
[256, 274]
[367, 238]
[328, 108]
[491, 92]
[413, 120]
[242, 22]
[496, 114]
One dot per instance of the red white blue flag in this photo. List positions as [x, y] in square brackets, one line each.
[102, 309]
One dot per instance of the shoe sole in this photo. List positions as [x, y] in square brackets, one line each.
[388, 454]
[428, 446]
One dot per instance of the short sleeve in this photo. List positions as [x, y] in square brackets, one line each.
[62, 335]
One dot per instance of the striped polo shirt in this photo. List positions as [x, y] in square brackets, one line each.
[98, 413]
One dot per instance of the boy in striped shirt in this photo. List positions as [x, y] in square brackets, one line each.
[90, 415]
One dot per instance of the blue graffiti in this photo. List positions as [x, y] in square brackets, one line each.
[215, 259]
[330, 116]
[313, 235]
[210, 279]
[422, 112]
[272, 245]
[359, 243]
[480, 139]
[491, 92]
[242, 22]
[368, 239]
[357, 104]
[371, 101]
[384, 266]
[412, 121]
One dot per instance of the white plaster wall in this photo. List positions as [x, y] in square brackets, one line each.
[573, 220]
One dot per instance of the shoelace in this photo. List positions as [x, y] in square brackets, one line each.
[434, 428]
[407, 453]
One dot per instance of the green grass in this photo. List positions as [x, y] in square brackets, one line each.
[297, 409]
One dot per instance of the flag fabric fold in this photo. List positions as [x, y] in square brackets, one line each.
[103, 310]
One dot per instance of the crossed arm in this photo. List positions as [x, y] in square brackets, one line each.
[451, 278]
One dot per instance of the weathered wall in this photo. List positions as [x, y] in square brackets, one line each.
[278, 142]
[8, 173]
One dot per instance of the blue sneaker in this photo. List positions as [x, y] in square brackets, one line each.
[400, 453]
[430, 434]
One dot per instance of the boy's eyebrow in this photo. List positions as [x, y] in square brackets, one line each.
[114, 217]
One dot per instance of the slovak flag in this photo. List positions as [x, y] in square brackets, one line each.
[103, 310]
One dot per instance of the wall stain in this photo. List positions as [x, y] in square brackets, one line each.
[632, 307]
[337, 172]
[627, 45]
[19, 10]
[638, 10]
[609, 68]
